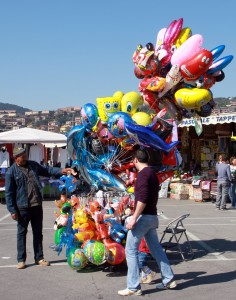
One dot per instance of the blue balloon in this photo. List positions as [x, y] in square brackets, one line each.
[220, 64]
[144, 135]
[67, 183]
[116, 124]
[89, 113]
[217, 51]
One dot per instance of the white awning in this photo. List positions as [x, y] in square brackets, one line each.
[214, 119]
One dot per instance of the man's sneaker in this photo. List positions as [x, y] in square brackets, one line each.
[170, 285]
[223, 208]
[148, 279]
[21, 265]
[42, 262]
[128, 292]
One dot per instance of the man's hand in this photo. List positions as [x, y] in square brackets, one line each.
[68, 171]
[14, 217]
[131, 223]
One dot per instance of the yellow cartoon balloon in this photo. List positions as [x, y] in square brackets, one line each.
[107, 106]
[118, 94]
[131, 102]
[192, 98]
[142, 118]
[185, 33]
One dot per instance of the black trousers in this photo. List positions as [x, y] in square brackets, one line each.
[34, 215]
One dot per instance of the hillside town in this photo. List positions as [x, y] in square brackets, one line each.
[60, 120]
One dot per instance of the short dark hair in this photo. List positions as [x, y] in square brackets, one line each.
[141, 155]
[224, 157]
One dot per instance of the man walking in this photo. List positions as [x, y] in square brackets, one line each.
[144, 223]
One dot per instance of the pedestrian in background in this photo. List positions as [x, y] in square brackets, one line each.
[223, 183]
[144, 223]
[24, 202]
[232, 188]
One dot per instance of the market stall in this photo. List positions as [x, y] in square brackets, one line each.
[216, 138]
[39, 145]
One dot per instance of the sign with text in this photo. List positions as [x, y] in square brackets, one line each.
[215, 119]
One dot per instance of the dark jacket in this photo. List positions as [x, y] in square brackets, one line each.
[16, 186]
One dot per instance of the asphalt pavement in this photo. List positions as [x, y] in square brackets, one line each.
[210, 275]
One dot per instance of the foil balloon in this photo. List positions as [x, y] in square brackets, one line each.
[68, 183]
[107, 106]
[173, 77]
[192, 98]
[116, 124]
[197, 65]
[220, 64]
[144, 135]
[192, 46]
[89, 113]
[164, 52]
[217, 51]
[160, 38]
[105, 134]
[154, 84]
[131, 102]
[185, 33]
[142, 118]
[118, 95]
[143, 60]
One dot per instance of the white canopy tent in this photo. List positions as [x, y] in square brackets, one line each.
[30, 136]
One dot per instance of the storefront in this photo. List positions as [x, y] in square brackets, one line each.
[218, 136]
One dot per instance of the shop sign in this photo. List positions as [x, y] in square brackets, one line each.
[216, 119]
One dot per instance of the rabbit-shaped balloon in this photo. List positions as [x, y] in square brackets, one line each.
[164, 52]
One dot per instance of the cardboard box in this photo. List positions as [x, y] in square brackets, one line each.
[197, 194]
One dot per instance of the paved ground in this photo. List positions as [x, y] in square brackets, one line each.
[210, 275]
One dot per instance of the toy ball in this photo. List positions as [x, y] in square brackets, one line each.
[116, 254]
[95, 252]
[76, 259]
[142, 118]
[116, 124]
[89, 113]
[57, 236]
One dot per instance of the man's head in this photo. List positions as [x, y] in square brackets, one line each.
[141, 155]
[20, 156]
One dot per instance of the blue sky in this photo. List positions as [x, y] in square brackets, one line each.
[57, 53]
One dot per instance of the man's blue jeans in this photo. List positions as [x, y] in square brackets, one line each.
[146, 226]
[34, 215]
[232, 194]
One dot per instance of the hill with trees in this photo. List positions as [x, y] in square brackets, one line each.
[17, 108]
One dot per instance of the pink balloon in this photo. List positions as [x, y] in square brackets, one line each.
[173, 31]
[189, 48]
[160, 38]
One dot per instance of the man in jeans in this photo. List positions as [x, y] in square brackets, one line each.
[144, 223]
[24, 202]
[224, 179]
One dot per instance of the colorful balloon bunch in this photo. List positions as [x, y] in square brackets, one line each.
[101, 148]
[178, 72]
[91, 233]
